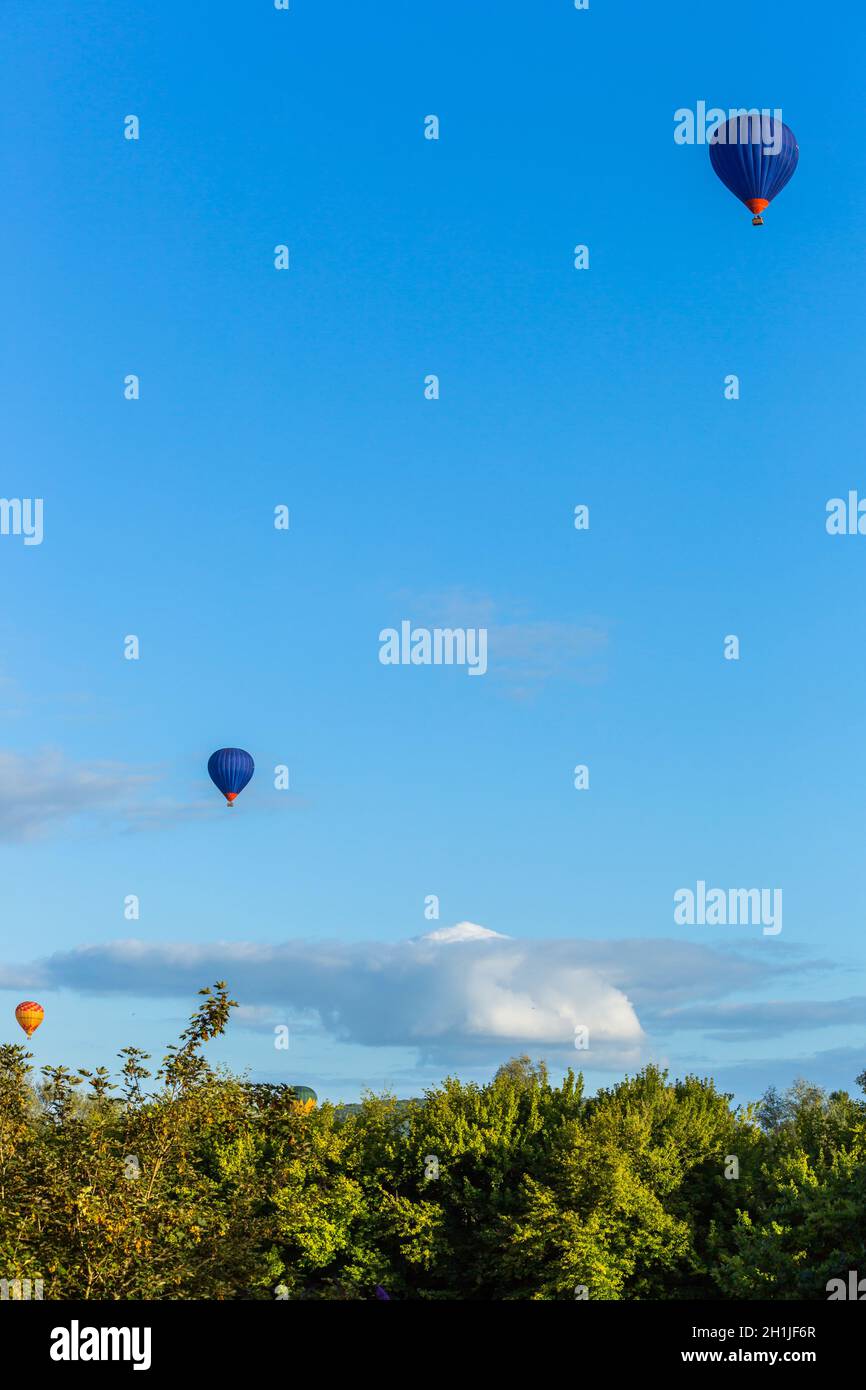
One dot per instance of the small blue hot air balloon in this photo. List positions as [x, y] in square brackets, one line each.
[230, 769]
[754, 156]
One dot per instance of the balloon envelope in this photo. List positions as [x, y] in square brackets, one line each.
[29, 1014]
[304, 1094]
[741, 153]
[230, 769]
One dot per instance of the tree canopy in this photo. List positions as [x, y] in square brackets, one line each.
[192, 1183]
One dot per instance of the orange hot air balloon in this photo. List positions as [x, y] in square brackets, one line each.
[29, 1015]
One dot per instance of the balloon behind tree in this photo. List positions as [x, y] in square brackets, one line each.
[304, 1094]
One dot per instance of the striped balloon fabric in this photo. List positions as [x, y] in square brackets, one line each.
[754, 156]
[230, 769]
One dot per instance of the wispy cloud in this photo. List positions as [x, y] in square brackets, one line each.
[48, 792]
[524, 652]
[528, 655]
[769, 1018]
[832, 1068]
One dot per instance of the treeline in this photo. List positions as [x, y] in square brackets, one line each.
[193, 1184]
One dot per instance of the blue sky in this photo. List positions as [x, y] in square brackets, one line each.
[305, 388]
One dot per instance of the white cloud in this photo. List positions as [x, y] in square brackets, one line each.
[462, 994]
[463, 931]
[455, 988]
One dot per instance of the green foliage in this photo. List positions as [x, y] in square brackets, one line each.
[806, 1220]
[191, 1183]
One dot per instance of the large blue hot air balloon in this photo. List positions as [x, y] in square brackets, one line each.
[742, 154]
[230, 769]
